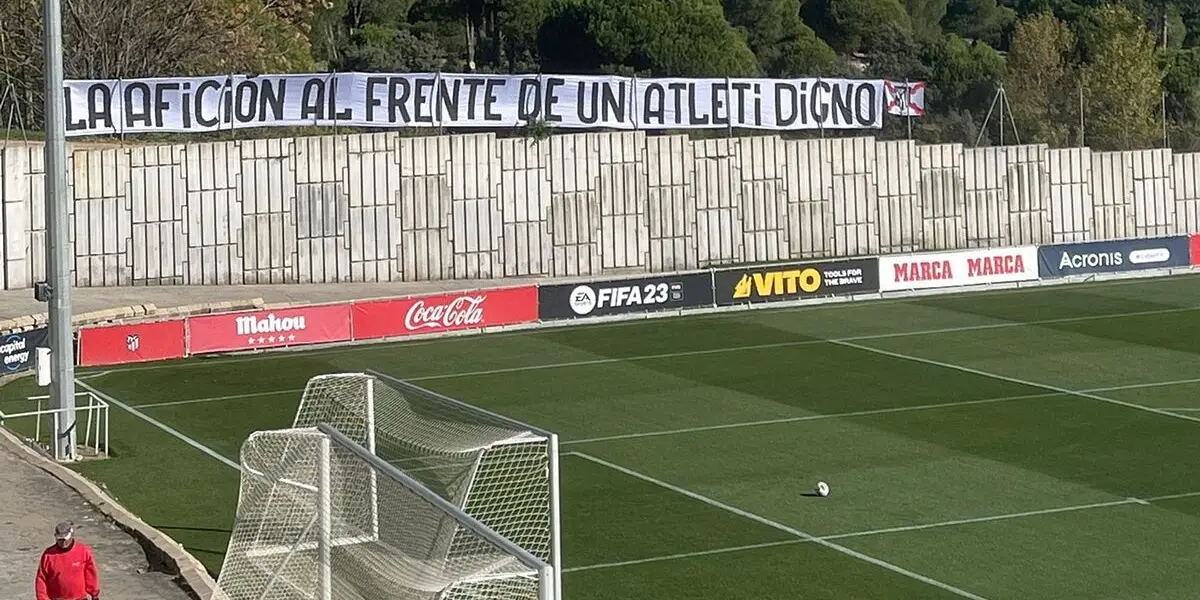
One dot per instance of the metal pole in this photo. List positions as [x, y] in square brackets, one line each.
[58, 242]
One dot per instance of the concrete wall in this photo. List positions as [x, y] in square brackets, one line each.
[379, 207]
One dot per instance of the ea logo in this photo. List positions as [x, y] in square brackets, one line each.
[583, 300]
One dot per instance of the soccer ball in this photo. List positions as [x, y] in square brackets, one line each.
[822, 489]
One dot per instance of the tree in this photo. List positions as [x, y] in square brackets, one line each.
[782, 43]
[856, 26]
[926, 18]
[682, 38]
[979, 20]
[963, 74]
[1038, 72]
[1123, 81]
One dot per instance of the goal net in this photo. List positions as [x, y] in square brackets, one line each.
[306, 529]
[494, 471]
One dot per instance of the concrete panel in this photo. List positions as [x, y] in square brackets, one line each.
[810, 204]
[574, 205]
[1112, 194]
[1070, 204]
[1186, 172]
[475, 209]
[1154, 211]
[14, 199]
[622, 192]
[719, 229]
[525, 206]
[671, 211]
[899, 212]
[764, 205]
[943, 197]
[855, 201]
[268, 192]
[425, 252]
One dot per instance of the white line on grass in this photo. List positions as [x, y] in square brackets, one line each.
[218, 398]
[863, 413]
[874, 532]
[1025, 382]
[784, 528]
[1185, 409]
[167, 428]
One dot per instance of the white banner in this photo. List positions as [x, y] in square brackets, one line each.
[953, 269]
[198, 104]
[905, 99]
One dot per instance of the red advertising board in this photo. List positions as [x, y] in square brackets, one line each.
[1194, 249]
[269, 328]
[445, 312]
[136, 342]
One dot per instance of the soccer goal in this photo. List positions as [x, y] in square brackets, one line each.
[383, 489]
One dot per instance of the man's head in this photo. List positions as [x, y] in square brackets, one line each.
[64, 534]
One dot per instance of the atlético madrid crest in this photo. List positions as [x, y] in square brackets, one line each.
[133, 342]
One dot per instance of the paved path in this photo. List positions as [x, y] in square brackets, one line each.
[31, 502]
[18, 303]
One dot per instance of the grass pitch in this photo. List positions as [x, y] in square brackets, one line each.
[1032, 444]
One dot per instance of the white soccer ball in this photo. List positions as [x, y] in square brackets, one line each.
[822, 489]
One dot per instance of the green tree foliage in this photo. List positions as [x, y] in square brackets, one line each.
[1123, 80]
[962, 73]
[1040, 80]
[983, 20]
[684, 38]
[859, 26]
[782, 43]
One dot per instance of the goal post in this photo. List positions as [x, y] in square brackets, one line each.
[302, 532]
[441, 499]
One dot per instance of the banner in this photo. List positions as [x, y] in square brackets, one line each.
[775, 283]
[444, 312]
[1062, 260]
[132, 343]
[1194, 250]
[268, 328]
[624, 296]
[17, 349]
[905, 99]
[199, 104]
[953, 269]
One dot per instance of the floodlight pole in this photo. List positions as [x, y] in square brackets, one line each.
[58, 240]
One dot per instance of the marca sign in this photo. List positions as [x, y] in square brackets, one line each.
[953, 269]
[269, 328]
[444, 312]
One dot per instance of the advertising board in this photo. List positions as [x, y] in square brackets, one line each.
[790, 281]
[269, 328]
[442, 313]
[1194, 249]
[1086, 258]
[17, 349]
[132, 343]
[625, 296]
[952, 269]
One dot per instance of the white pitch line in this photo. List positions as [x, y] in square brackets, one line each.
[1025, 382]
[98, 375]
[167, 428]
[885, 531]
[218, 398]
[788, 344]
[862, 413]
[1184, 409]
[784, 528]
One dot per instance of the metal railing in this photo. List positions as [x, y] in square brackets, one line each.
[90, 411]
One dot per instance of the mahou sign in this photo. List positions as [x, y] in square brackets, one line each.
[444, 312]
[269, 328]
[952, 269]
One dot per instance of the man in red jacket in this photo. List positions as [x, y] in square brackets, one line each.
[68, 570]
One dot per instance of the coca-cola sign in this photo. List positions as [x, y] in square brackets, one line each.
[444, 312]
[463, 311]
[268, 328]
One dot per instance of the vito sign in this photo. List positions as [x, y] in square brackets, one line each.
[199, 104]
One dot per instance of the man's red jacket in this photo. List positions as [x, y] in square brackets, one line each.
[67, 574]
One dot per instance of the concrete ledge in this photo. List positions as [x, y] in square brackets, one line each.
[163, 553]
